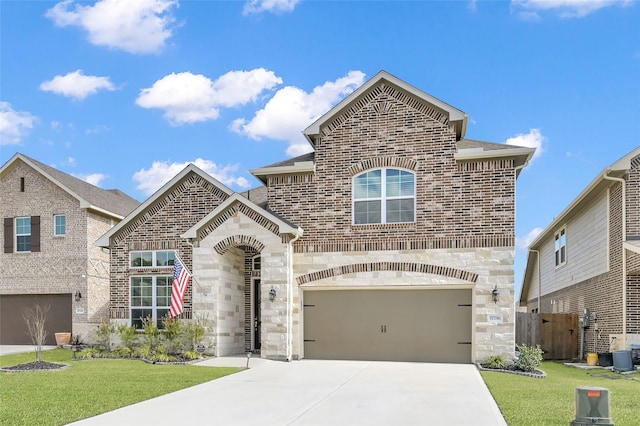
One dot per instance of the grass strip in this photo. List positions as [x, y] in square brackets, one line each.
[88, 387]
[528, 401]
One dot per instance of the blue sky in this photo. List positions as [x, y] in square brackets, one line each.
[124, 94]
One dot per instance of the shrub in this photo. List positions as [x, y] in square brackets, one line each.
[173, 335]
[128, 336]
[530, 358]
[495, 361]
[103, 335]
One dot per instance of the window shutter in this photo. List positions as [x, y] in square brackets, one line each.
[35, 233]
[8, 235]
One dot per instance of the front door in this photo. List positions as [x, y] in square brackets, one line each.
[256, 314]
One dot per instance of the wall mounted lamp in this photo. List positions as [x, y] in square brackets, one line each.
[495, 293]
[272, 294]
[78, 295]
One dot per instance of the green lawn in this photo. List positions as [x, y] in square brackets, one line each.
[88, 388]
[551, 401]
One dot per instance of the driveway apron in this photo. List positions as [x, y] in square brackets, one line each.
[314, 392]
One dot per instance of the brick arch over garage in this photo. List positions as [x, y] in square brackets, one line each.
[423, 268]
[237, 241]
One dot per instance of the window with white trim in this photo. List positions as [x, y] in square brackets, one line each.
[23, 234]
[59, 225]
[560, 247]
[150, 259]
[256, 263]
[150, 297]
[384, 196]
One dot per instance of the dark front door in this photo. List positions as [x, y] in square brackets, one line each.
[256, 314]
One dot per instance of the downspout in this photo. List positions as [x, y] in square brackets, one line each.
[516, 169]
[624, 252]
[290, 295]
[537, 252]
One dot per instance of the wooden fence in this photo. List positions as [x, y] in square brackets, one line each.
[557, 334]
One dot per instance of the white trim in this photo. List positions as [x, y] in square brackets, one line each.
[301, 167]
[479, 153]
[154, 296]
[383, 198]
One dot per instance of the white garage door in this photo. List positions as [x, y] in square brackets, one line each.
[430, 325]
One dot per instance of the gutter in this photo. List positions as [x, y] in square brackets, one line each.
[624, 251]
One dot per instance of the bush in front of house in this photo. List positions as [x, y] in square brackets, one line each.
[530, 358]
[175, 342]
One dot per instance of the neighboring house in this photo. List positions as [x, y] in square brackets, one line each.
[589, 258]
[51, 221]
[388, 242]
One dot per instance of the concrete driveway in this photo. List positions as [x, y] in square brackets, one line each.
[312, 392]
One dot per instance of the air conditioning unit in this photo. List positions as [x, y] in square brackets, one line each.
[592, 407]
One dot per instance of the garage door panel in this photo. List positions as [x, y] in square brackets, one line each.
[13, 328]
[394, 325]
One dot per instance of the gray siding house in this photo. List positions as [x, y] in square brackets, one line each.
[589, 258]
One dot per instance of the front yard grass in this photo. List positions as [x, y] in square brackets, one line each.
[551, 401]
[88, 388]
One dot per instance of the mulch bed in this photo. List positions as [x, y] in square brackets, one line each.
[34, 366]
[536, 374]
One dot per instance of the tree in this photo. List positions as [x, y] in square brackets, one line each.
[36, 318]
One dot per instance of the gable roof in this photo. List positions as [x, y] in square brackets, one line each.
[455, 117]
[284, 226]
[111, 202]
[104, 241]
[597, 185]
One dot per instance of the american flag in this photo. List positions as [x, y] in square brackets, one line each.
[181, 278]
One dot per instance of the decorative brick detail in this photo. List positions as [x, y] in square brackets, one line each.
[357, 245]
[391, 92]
[192, 181]
[380, 162]
[233, 209]
[238, 241]
[388, 266]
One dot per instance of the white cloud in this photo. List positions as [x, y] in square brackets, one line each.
[529, 9]
[93, 179]
[140, 26]
[292, 109]
[13, 124]
[275, 6]
[77, 85]
[523, 242]
[189, 98]
[533, 139]
[161, 172]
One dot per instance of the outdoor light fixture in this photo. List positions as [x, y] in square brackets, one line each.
[495, 293]
[78, 295]
[272, 294]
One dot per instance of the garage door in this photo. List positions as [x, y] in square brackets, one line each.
[13, 328]
[432, 325]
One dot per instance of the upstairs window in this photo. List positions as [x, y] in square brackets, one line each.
[23, 234]
[561, 247]
[384, 196]
[159, 259]
[59, 225]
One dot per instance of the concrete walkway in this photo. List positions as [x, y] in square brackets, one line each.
[18, 349]
[313, 392]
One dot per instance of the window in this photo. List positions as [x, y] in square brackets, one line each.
[150, 297]
[142, 259]
[384, 196]
[255, 263]
[59, 225]
[561, 247]
[23, 234]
